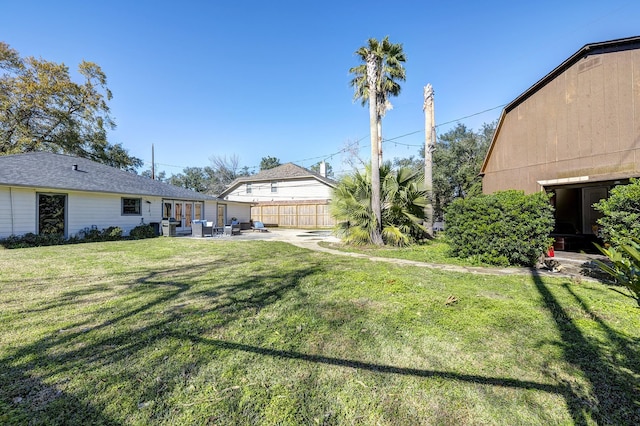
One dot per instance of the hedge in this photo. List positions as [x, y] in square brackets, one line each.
[504, 228]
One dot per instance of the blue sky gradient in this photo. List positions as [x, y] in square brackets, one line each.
[270, 78]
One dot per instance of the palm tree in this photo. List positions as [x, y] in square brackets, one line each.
[374, 81]
[403, 200]
[389, 58]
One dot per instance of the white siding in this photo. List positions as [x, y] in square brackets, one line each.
[86, 209]
[17, 211]
[242, 212]
[210, 211]
[287, 190]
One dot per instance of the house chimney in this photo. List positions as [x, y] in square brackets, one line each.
[75, 167]
[323, 169]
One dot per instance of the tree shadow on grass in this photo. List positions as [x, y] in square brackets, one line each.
[378, 368]
[613, 394]
[151, 312]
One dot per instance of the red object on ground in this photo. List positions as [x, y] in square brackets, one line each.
[550, 252]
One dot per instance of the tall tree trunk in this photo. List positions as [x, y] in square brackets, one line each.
[429, 146]
[376, 232]
[379, 127]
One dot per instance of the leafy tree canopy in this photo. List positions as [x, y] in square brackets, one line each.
[456, 164]
[328, 168]
[269, 163]
[210, 179]
[160, 176]
[193, 178]
[42, 109]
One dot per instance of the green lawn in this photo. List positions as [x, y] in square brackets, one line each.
[184, 331]
[434, 251]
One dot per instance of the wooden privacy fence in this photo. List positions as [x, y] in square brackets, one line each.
[298, 215]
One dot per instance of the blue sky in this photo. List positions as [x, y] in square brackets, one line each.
[270, 78]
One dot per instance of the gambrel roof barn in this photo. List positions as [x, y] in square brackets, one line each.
[575, 133]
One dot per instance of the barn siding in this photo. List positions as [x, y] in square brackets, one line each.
[583, 123]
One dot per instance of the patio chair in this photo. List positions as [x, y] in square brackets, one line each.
[207, 229]
[259, 226]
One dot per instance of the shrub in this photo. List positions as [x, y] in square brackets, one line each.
[402, 199]
[86, 235]
[32, 240]
[112, 233]
[625, 268]
[505, 228]
[142, 231]
[92, 234]
[621, 220]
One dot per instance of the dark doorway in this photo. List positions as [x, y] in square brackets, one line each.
[52, 214]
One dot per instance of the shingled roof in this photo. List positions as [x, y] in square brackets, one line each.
[63, 172]
[283, 172]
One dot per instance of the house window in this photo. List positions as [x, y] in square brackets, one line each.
[248, 188]
[274, 186]
[131, 206]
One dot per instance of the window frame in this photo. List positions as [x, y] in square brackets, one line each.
[274, 187]
[248, 188]
[137, 206]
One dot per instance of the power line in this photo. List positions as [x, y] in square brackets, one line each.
[355, 144]
[472, 115]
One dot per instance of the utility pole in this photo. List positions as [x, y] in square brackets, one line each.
[429, 147]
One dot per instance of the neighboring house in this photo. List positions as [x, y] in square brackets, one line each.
[575, 133]
[287, 195]
[41, 192]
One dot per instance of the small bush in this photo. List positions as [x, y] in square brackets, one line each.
[142, 231]
[32, 240]
[625, 265]
[505, 228]
[112, 233]
[621, 220]
[87, 235]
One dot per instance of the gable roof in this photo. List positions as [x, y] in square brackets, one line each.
[283, 172]
[56, 171]
[616, 45]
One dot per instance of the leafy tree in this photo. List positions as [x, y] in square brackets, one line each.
[41, 109]
[328, 168]
[411, 162]
[193, 178]
[161, 176]
[457, 160]
[403, 200]
[269, 163]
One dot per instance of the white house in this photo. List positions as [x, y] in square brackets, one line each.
[287, 195]
[42, 192]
